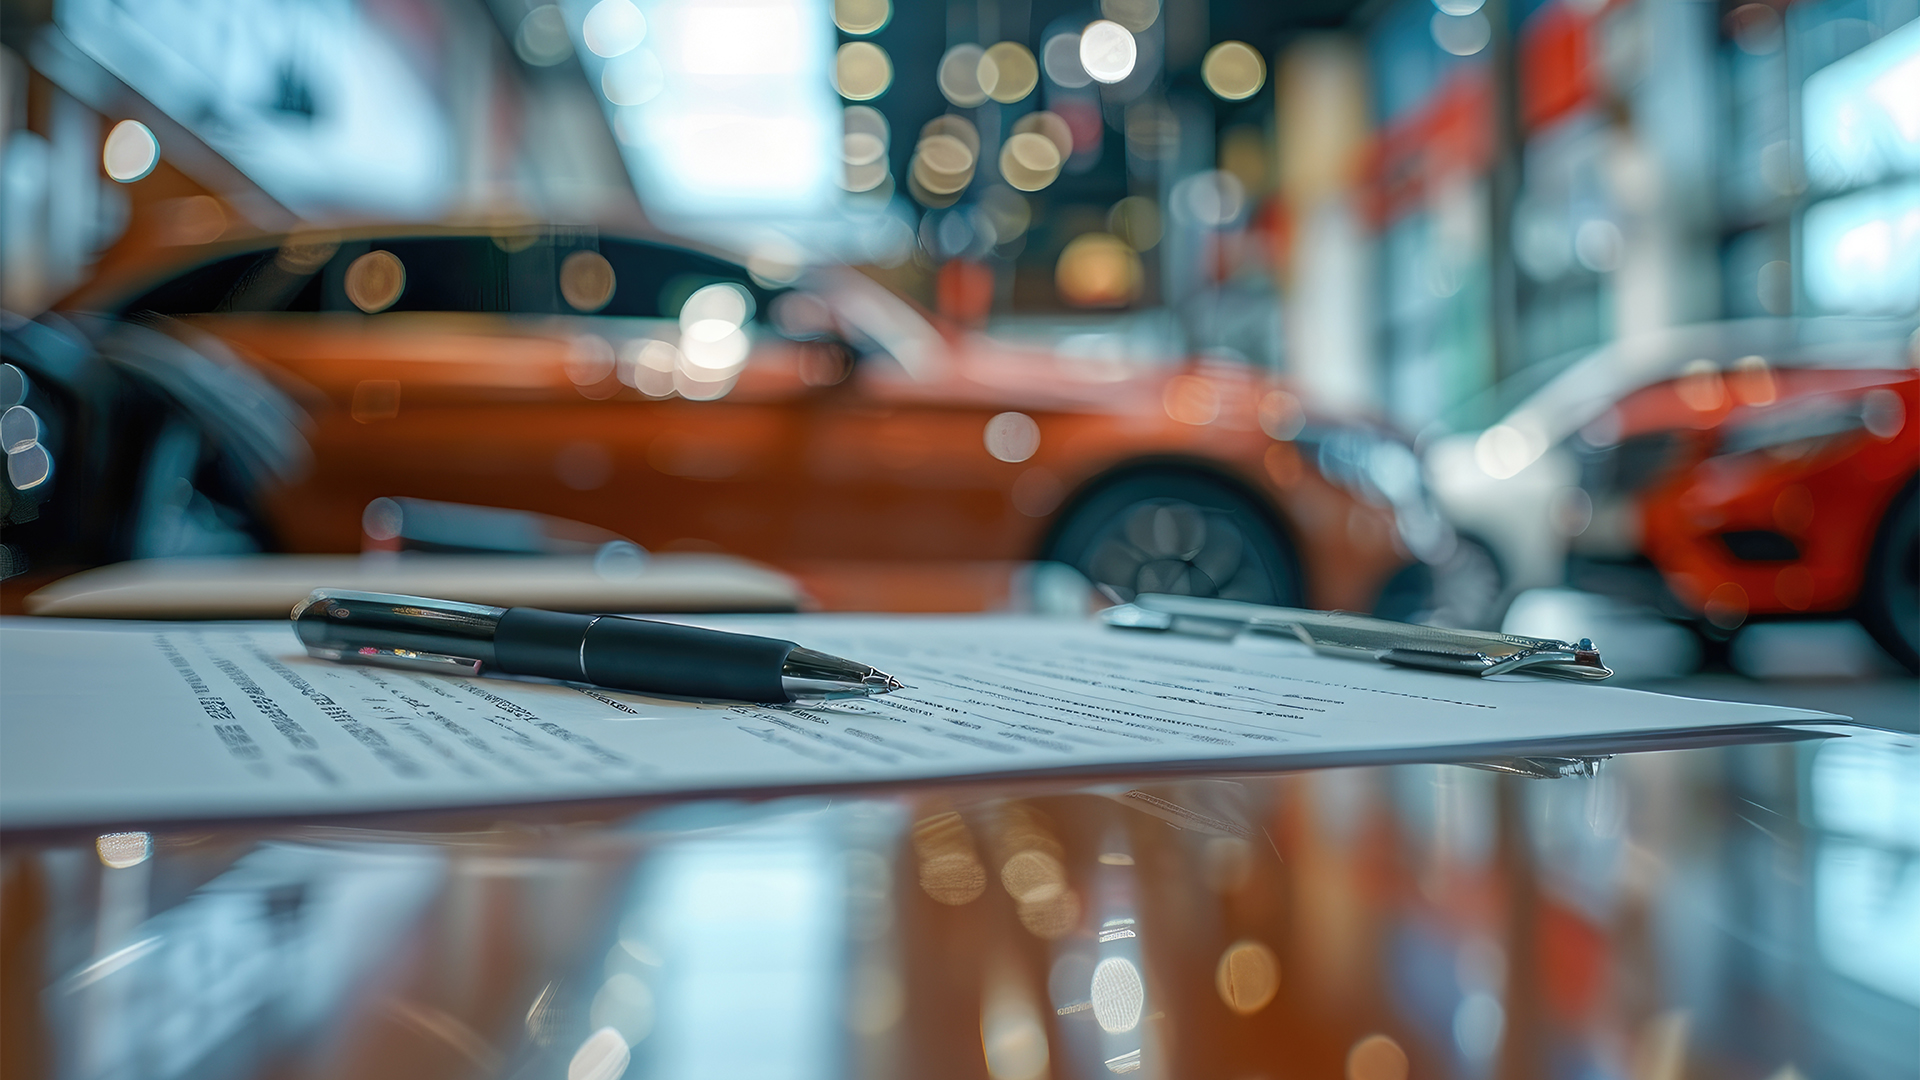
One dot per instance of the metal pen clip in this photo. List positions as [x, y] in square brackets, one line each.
[444, 637]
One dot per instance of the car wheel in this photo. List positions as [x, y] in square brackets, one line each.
[1467, 590]
[1169, 531]
[1890, 600]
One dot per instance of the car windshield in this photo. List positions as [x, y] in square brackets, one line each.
[1561, 395]
[544, 275]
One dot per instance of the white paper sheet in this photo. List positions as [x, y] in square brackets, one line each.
[148, 722]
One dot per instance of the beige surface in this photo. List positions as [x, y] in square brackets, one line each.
[267, 586]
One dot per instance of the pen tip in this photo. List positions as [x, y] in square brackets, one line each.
[882, 683]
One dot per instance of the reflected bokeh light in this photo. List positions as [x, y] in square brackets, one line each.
[123, 849]
[1374, 923]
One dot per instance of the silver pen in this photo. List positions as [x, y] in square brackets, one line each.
[1435, 648]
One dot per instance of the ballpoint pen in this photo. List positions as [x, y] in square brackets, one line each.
[612, 651]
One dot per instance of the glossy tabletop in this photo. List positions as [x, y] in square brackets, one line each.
[1743, 912]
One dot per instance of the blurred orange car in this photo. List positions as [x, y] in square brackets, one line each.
[673, 397]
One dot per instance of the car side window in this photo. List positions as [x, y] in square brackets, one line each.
[550, 275]
[252, 281]
[653, 281]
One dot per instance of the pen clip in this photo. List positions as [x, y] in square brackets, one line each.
[408, 659]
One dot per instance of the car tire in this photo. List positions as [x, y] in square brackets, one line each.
[1466, 590]
[1169, 530]
[1890, 597]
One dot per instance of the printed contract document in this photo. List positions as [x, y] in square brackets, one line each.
[123, 723]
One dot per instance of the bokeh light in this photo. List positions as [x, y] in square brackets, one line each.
[1007, 211]
[19, 429]
[944, 160]
[1281, 415]
[120, 850]
[1029, 160]
[1136, 221]
[603, 1056]
[1007, 72]
[863, 148]
[1098, 270]
[130, 152]
[861, 17]
[613, 28]
[1050, 124]
[1107, 51]
[1190, 399]
[722, 302]
[647, 365]
[1215, 198]
[196, 219]
[1135, 15]
[950, 870]
[1700, 387]
[303, 253]
[862, 71]
[541, 39]
[1461, 35]
[375, 280]
[1376, 1057]
[1119, 995]
[1247, 977]
[29, 468]
[1234, 70]
[634, 78]
[589, 360]
[959, 75]
[1013, 1040]
[713, 346]
[586, 280]
[1013, 437]
[959, 127]
[1061, 58]
[624, 1004]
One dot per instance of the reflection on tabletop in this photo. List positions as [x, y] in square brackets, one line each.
[1749, 912]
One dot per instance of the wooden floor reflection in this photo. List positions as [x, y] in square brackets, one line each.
[1680, 915]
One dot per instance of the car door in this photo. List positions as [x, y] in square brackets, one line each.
[498, 373]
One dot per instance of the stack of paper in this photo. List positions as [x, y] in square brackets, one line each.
[131, 724]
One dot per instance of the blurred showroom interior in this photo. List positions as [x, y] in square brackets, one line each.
[1335, 303]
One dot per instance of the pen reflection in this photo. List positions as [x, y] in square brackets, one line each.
[1372, 924]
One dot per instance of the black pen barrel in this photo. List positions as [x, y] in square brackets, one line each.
[640, 655]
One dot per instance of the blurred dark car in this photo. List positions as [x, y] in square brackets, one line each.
[1724, 473]
[675, 398]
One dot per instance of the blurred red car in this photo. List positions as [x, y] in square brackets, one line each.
[673, 397]
[1768, 492]
[1719, 473]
